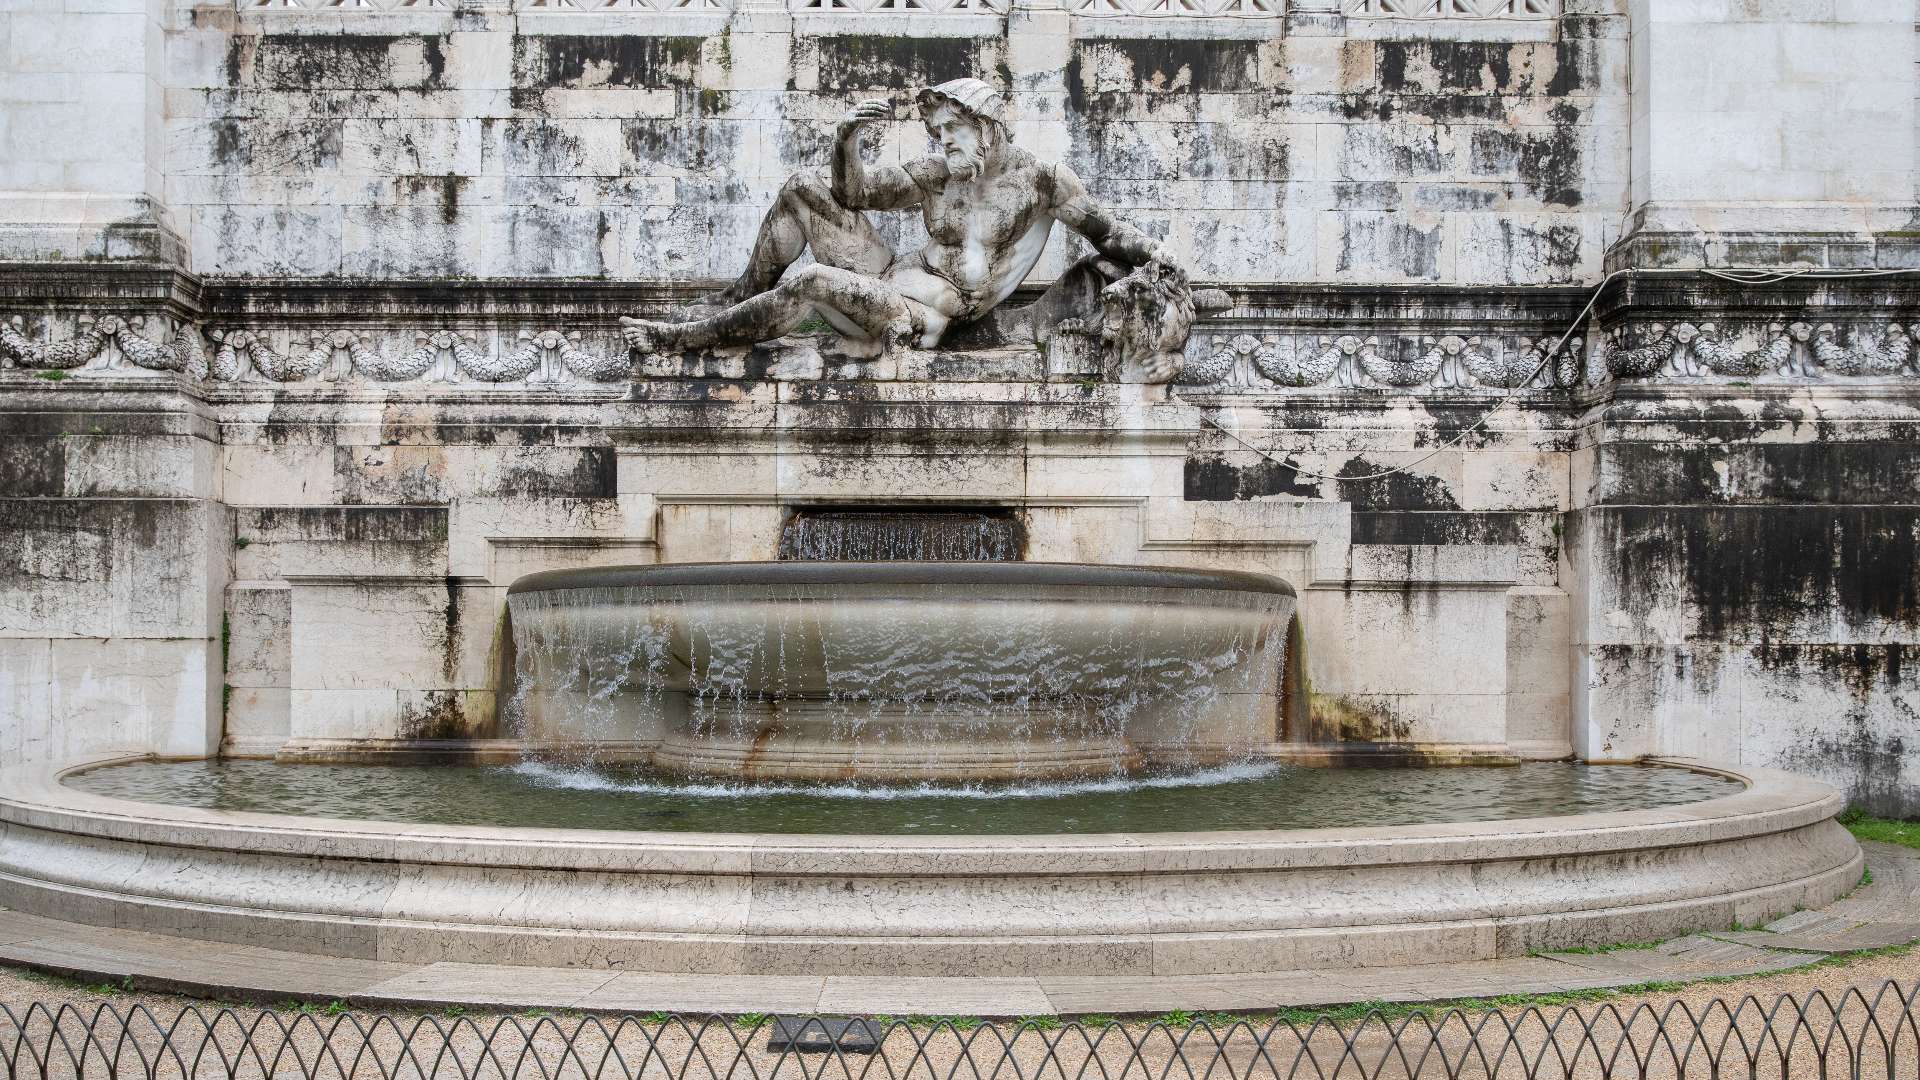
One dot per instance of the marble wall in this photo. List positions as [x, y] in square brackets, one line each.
[419, 142]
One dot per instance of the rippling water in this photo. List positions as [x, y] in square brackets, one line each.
[1248, 796]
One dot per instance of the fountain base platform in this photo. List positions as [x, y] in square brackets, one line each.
[1163, 903]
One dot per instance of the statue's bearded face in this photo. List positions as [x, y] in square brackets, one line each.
[962, 140]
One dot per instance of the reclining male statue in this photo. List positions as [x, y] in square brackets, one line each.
[989, 207]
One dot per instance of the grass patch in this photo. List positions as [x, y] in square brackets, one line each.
[1885, 830]
[958, 1023]
[336, 1007]
[1843, 959]
[61, 982]
[55, 375]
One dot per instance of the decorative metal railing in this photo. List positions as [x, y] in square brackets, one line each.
[1862, 1032]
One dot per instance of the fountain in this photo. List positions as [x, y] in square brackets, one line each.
[740, 721]
[901, 670]
[906, 767]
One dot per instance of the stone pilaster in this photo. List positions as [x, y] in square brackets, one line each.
[1771, 134]
[83, 165]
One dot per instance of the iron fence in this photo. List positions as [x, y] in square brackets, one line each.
[1855, 1033]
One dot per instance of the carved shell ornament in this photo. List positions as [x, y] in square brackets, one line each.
[1462, 362]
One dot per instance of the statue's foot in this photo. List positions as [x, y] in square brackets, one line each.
[642, 335]
[860, 348]
[899, 336]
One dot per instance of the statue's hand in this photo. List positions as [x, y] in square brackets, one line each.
[1161, 367]
[863, 114]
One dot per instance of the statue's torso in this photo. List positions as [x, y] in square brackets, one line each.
[986, 235]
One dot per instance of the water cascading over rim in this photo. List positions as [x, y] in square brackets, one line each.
[900, 670]
[908, 533]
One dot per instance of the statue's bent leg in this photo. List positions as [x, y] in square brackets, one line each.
[860, 306]
[806, 216]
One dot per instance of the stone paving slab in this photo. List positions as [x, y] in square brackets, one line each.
[1853, 939]
[1879, 914]
[254, 973]
[186, 965]
[934, 997]
[646, 992]
[491, 984]
[1077, 995]
[20, 926]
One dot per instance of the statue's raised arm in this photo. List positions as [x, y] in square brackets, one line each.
[859, 186]
[1111, 237]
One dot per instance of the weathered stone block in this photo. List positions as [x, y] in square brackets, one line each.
[411, 146]
[870, 62]
[405, 242]
[269, 474]
[269, 240]
[100, 568]
[1359, 640]
[1398, 247]
[475, 522]
[257, 636]
[1539, 655]
[273, 542]
[357, 61]
[27, 728]
[637, 60]
[1843, 712]
[1801, 573]
[67, 41]
[257, 721]
[364, 636]
[341, 714]
[163, 695]
[705, 533]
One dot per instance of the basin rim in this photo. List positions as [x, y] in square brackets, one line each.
[1028, 574]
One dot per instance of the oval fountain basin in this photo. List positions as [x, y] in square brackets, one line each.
[900, 670]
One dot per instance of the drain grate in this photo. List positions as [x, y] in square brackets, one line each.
[818, 1035]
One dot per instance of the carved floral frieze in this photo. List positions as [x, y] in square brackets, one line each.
[111, 343]
[1368, 359]
[1800, 349]
[442, 356]
[108, 342]
[1249, 361]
